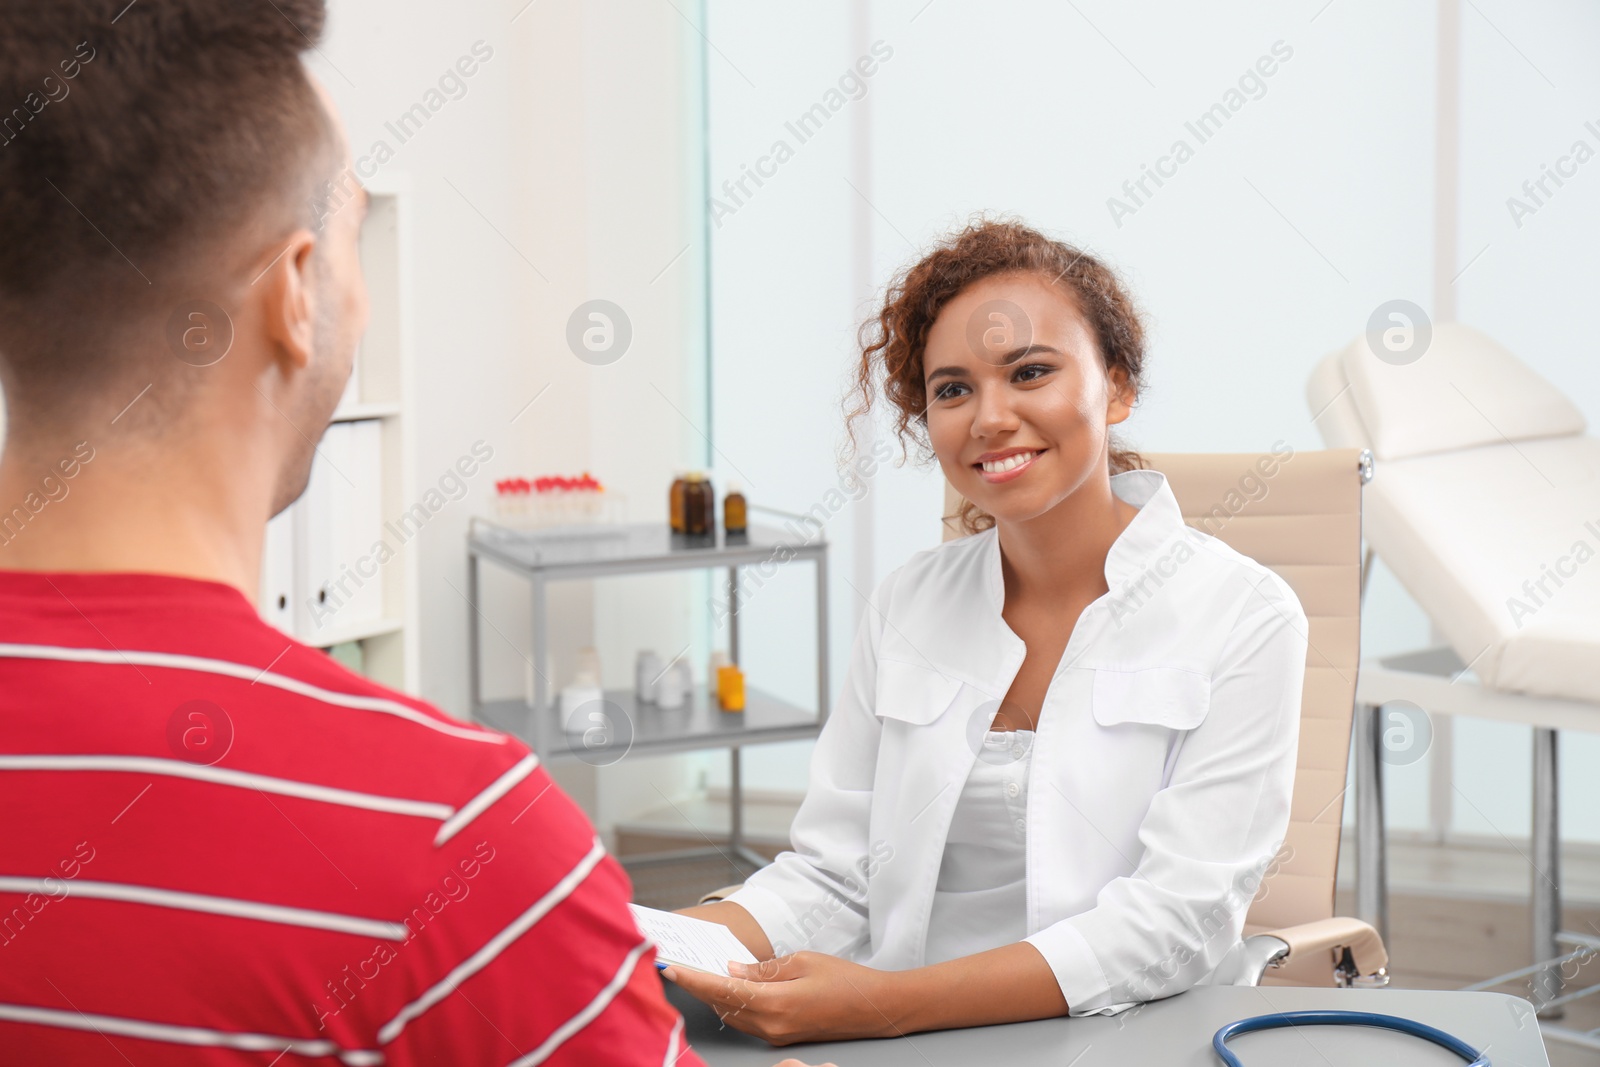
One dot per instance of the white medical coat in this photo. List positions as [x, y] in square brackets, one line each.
[1163, 763]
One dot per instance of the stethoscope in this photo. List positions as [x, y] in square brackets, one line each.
[1343, 1018]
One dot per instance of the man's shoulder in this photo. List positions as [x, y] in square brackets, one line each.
[185, 678]
[358, 847]
[402, 744]
[311, 672]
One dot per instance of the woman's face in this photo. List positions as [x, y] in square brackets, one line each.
[1018, 396]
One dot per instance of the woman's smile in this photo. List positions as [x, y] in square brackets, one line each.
[1008, 466]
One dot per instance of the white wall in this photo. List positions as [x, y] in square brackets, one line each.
[568, 171]
[1268, 248]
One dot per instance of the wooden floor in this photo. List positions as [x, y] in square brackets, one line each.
[1445, 939]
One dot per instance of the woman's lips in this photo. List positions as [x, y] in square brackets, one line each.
[1018, 471]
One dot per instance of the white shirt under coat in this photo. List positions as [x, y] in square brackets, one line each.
[980, 898]
[1160, 777]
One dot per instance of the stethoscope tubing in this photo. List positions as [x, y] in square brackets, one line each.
[1276, 1020]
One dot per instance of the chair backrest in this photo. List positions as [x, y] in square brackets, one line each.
[1300, 514]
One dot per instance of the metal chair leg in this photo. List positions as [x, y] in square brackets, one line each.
[1372, 854]
[1546, 896]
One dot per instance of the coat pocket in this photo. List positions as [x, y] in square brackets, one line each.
[1157, 696]
[913, 693]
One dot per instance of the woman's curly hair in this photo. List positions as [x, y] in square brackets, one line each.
[893, 343]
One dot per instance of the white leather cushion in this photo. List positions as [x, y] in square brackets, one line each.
[1463, 390]
[1500, 545]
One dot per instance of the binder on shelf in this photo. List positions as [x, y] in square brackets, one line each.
[358, 522]
[338, 580]
[277, 572]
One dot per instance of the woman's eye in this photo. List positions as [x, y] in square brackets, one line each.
[1027, 373]
[947, 390]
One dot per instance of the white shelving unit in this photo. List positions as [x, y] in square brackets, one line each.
[382, 643]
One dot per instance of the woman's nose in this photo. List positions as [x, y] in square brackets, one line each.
[994, 414]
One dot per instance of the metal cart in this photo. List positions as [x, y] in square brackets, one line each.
[610, 550]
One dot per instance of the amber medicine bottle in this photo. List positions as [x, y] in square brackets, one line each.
[675, 503]
[696, 503]
[733, 509]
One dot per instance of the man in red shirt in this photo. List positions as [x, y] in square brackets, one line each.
[219, 845]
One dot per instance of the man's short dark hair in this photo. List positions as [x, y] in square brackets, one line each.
[137, 139]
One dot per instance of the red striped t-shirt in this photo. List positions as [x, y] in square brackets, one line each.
[221, 847]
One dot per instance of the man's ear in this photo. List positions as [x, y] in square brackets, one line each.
[287, 308]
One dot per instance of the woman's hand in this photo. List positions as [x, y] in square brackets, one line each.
[809, 996]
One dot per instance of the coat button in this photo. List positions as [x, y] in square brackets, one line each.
[1021, 826]
[1012, 789]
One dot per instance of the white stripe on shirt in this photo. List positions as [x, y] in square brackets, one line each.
[480, 803]
[589, 1013]
[231, 906]
[255, 675]
[314, 1048]
[673, 1054]
[496, 945]
[222, 776]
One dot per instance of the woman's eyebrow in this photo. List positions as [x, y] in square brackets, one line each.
[953, 371]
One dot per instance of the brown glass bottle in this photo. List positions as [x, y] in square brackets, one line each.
[733, 510]
[696, 493]
[675, 503]
[710, 505]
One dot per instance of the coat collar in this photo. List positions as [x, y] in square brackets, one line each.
[950, 601]
[1131, 554]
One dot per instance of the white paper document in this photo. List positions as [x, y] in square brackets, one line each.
[688, 942]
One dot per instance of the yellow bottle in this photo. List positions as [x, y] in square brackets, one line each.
[730, 688]
[719, 659]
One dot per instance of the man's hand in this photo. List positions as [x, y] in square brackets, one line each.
[809, 996]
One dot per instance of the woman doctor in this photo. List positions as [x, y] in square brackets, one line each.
[1063, 755]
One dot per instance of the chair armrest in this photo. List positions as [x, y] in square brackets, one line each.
[1247, 961]
[1355, 947]
[719, 894]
